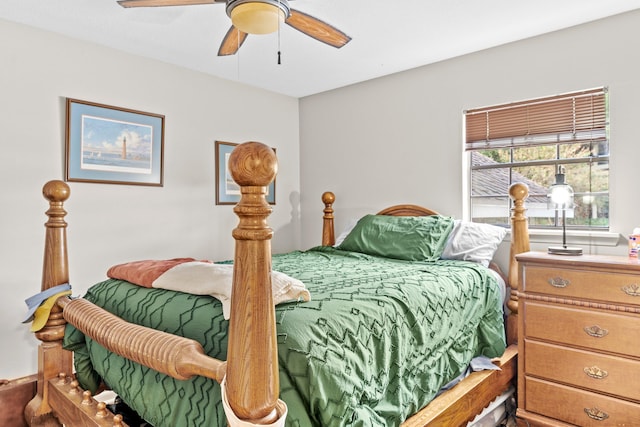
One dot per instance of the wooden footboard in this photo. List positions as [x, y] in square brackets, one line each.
[251, 369]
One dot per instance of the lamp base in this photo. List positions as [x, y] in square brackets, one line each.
[564, 250]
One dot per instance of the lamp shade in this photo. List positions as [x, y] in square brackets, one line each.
[560, 193]
[257, 16]
[561, 198]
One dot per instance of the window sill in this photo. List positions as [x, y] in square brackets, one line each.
[576, 237]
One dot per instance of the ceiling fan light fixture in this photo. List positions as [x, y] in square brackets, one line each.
[257, 16]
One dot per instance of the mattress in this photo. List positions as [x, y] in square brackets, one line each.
[375, 343]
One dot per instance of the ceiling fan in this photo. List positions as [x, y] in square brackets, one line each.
[239, 10]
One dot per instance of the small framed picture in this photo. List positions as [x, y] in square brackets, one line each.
[113, 145]
[227, 191]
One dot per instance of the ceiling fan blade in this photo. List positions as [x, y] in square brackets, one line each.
[232, 42]
[317, 29]
[158, 3]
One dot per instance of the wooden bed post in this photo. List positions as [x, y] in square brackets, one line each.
[252, 381]
[328, 233]
[52, 358]
[519, 244]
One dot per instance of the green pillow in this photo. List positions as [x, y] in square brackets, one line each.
[412, 238]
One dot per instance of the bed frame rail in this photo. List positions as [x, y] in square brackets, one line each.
[172, 355]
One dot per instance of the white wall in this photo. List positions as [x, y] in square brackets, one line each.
[109, 224]
[398, 139]
[369, 143]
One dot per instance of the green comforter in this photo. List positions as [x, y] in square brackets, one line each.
[375, 343]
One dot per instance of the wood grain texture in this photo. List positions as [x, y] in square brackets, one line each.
[317, 29]
[178, 357]
[579, 355]
[407, 210]
[462, 403]
[76, 407]
[519, 192]
[52, 358]
[328, 229]
[14, 396]
[252, 359]
[232, 41]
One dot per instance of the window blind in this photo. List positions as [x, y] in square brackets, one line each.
[573, 117]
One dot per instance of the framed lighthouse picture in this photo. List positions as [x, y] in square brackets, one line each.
[113, 145]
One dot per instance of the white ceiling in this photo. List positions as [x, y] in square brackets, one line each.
[387, 36]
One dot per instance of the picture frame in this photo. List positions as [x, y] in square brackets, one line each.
[113, 145]
[227, 191]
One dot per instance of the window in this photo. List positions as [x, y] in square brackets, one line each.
[526, 142]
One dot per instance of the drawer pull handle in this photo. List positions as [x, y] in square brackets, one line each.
[559, 282]
[632, 290]
[596, 414]
[596, 331]
[596, 373]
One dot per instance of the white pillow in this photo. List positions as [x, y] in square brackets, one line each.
[473, 241]
[345, 232]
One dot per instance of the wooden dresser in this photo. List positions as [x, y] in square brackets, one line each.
[579, 340]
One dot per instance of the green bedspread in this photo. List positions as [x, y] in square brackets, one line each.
[374, 345]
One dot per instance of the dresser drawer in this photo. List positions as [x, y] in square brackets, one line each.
[599, 372]
[579, 407]
[593, 329]
[601, 286]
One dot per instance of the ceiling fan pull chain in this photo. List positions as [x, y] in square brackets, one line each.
[279, 26]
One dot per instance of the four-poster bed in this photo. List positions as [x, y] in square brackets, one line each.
[250, 369]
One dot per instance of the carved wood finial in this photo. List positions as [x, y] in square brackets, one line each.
[328, 198]
[253, 164]
[87, 398]
[55, 265]
[56, 191]
[102, 410]
[252, 358]
[328, 229]
[62, 378]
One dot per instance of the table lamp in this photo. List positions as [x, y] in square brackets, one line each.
[561, 197]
